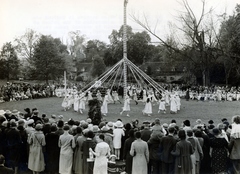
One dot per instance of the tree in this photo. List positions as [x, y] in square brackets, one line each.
[47, 60]
[9, 62]
[229, 43]
[137, 49]
[26, 44]
[95, 48]
[98, 66]
[194, 30]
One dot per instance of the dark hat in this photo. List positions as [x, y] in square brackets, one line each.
[146, 122]
[211, 126]
[71, 122]
[224, 119]
[186, 123]
[216, 131]
[27, 110]
[210, 122]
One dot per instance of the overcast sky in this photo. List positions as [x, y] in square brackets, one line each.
[94, 18]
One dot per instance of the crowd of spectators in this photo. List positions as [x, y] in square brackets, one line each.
[50, 144]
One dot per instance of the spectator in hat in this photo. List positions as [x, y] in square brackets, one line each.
[108, 137]
[126, 151]
[28, 113]
[35, 116]
[30, 126]
[66, 143]
[183, 152]
[167, 145]
[234, 145]
[3, 169]
[146, 132]
[13, 146]
[60, 125]
[186, 125]
[36, 141]
[219, 152]
[52, 150]
[89, 143]
[78, 155]
[140, 153]
[101, 152]
[157, 128]
[118, 134]
[197, 156]
[211, 122]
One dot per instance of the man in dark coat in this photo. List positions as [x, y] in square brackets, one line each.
[126, 152]
[154, 153]
[167, 145]
[13, 146]
[146, 132]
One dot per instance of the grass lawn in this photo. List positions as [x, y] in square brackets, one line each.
[191, 110]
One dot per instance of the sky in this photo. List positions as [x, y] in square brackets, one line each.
[94, 18]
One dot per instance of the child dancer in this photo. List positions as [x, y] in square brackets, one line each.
[162, 105]
[148, 107]
[126, 106]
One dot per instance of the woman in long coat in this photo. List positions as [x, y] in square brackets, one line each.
[102, 150]
[140, 153]
[66, 144]
[183, 152]
[78, 156]
[36, 159]
[52, 151]
[219, 153]
[126, 152]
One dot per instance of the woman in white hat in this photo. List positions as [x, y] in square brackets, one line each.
[118, 133]
[36, 142]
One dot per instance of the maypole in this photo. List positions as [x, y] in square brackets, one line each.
[125, 47]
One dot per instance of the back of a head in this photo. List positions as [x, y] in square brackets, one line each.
[60, 123]
[138, 134]
[171, 130]
[2, 159]
[182, 134]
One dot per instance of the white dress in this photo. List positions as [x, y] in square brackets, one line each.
[162, 105]
[148, 108]
[76, 103]
[173, 104]
[102, 149]
[126, 105]
[66, 143]
[118, 133]
[82, 101]
[104, 107]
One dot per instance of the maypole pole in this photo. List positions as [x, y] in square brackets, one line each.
[125, 46]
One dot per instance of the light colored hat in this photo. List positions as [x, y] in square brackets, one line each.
[8, 112]
[199, 121]
[60, 117]
[2, 112]
[15, 112]
[110, 124]
[89, 120]
[119, 124]
[105, 129]
[95, 129]
[38, 126]
[31, 121]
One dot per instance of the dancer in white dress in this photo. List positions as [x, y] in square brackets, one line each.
[82, 101]
[162, 105]
[173, 104]
[148, 107]
[99, 95]
[110, 99]
[115, 97]
[76, 103]
[104, 107]
[126, 106]
[65, 103]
